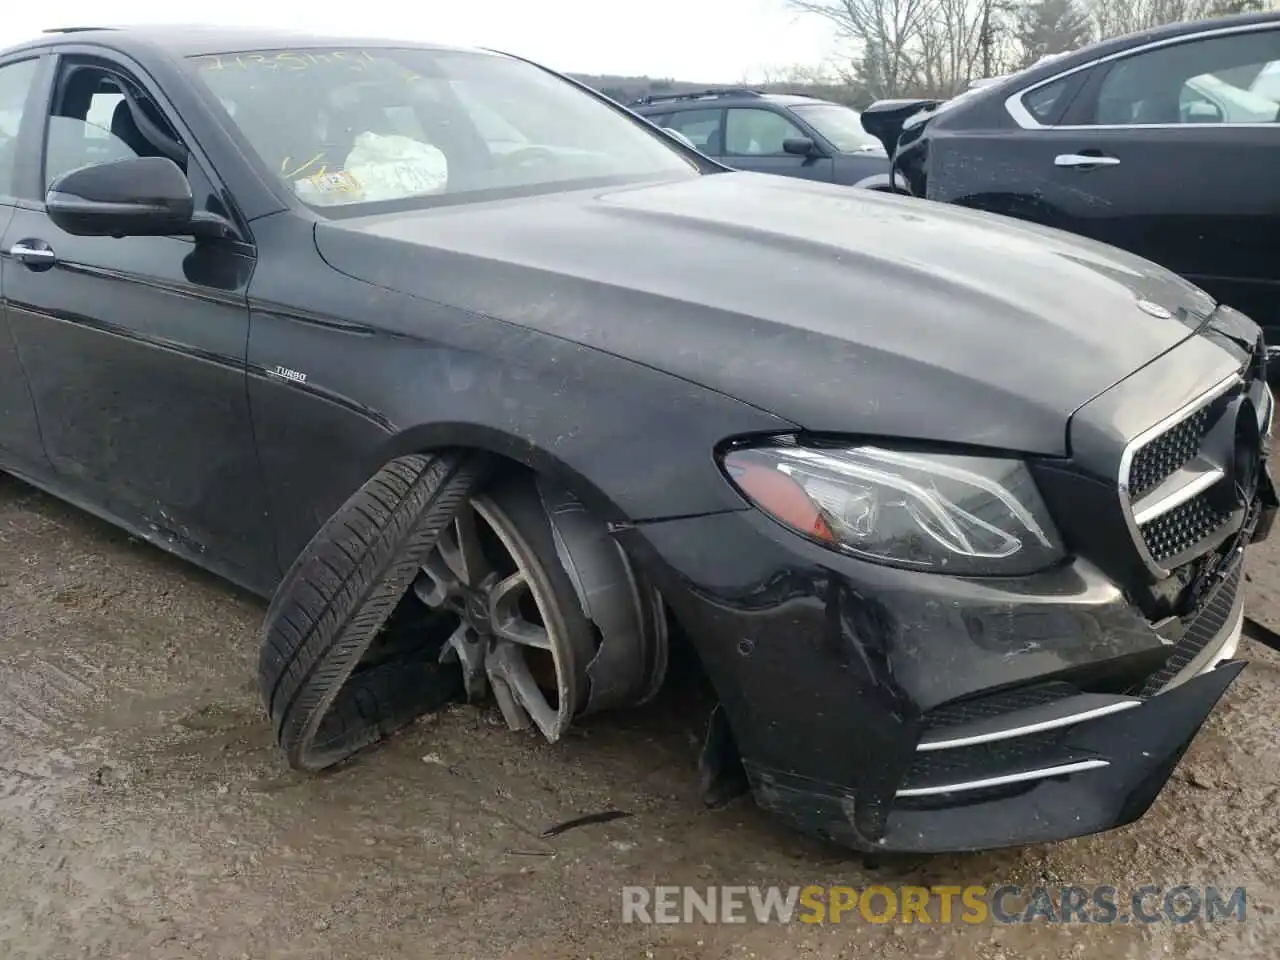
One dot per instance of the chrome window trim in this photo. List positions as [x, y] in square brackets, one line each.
[1022, 116]
[1145, 437]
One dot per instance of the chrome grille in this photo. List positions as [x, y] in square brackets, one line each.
[1172, 476]
[1167, 453]
[1183, 527]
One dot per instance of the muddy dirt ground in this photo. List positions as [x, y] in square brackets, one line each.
[144, 811]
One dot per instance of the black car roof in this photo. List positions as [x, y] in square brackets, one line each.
[196, 39]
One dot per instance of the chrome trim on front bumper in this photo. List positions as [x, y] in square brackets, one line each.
[1022, 776]
[1067, 712]
[1050, 716]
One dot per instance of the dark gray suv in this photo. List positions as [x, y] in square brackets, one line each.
[792, 136]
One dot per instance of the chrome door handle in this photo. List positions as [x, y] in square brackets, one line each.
[1083, 160]
[34, 256]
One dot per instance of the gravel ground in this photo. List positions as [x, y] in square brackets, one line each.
[144, 811]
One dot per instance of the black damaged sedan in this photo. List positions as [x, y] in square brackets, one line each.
[497, 391]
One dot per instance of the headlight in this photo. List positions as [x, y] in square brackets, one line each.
[956, 514]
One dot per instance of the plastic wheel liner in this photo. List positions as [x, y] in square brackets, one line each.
[564, 596]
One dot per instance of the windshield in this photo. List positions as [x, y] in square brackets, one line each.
[344, 128]
[839, 125]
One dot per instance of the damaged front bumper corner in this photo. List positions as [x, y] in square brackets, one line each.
[891, 710]
[1104, 772]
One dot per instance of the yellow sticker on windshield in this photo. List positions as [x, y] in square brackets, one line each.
[339, 181]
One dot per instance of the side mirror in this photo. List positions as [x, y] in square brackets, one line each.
[137, 197]
[800, 147]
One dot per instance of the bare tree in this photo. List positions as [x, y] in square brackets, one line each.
[935, 47]
[1043, 27]
[795, 74]
[918, 47]
[884, 36]
[1112, 18]
[951, 45]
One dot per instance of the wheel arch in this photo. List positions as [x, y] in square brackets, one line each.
[517, 451]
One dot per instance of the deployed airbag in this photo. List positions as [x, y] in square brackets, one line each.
[379, 168]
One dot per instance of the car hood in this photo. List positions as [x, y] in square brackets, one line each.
[839, 310]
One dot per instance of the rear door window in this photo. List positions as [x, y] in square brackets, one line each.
[1044, 103]
[1053, 103]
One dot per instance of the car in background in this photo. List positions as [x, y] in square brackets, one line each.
[1165, 143]
[784, 134]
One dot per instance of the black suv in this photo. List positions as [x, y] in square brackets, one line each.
[789, 135]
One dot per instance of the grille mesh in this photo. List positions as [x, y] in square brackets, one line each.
[1183, 527]
[1166, 454]
[996, 704]
[981, 760]
[1209, 622]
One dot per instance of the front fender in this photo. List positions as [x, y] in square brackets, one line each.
[378, 373]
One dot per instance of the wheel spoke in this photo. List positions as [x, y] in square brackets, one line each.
[437, 583]
[462, 551]
[524, 633]
[464, 648]
[518, 695]
[507, 621]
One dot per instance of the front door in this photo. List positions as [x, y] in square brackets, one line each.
[135, 347]
[753, 139]
[20, 444]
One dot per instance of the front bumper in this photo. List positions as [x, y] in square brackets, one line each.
[1107, 772]
[891, 710]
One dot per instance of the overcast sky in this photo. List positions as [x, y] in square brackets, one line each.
[712, 40]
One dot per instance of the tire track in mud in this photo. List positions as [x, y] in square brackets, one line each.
[42, 704]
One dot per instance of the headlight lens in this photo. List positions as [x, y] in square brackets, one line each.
[955, 514]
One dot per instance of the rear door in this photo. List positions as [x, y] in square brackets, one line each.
[1166, 152]
[753, 139]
